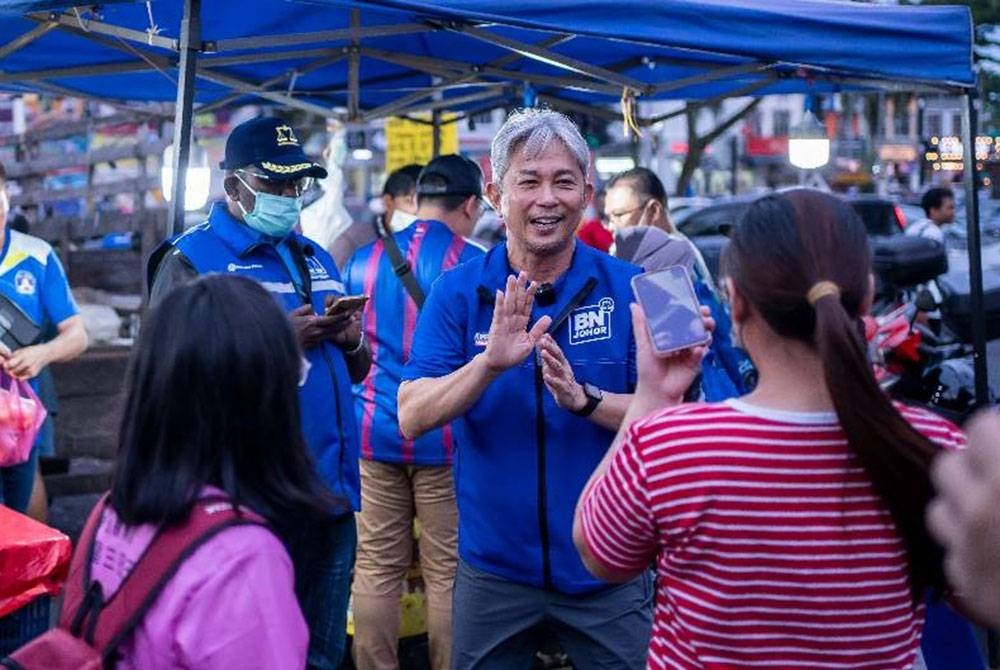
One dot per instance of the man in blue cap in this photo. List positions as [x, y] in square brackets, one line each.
[252, 234]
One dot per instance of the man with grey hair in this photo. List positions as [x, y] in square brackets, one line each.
[529, 351]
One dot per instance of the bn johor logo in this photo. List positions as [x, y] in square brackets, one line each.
[592, 322]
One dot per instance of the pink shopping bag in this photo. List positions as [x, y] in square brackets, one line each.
[21, 417]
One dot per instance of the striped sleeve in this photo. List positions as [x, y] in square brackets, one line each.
[617, 517]
[942, 432]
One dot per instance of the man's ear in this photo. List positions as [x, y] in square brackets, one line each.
[470, 206]
[739, 308]
[231, 185]
[493, 195]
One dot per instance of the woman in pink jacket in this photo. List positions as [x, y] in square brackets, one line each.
[213, 409]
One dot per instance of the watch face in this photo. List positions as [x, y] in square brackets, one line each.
[592, 391]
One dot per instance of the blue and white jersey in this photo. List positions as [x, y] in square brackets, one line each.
[429, 248]
[32, 277]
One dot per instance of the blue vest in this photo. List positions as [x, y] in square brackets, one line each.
[522, 461]
[223, 244]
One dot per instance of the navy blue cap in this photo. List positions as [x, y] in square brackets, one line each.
[270, 144]
[450, 175]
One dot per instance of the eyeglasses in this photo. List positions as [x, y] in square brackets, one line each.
[618, 216]
[277, 186]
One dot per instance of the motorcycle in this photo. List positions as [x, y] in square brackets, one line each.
[918, 360]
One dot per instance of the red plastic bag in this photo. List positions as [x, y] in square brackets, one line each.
[21, 417]
[34, 560]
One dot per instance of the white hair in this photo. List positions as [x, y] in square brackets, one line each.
[534, 129]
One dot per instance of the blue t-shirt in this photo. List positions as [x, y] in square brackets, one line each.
[390, 318]
[522, 461]
[33, 278]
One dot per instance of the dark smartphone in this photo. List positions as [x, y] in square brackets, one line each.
[346, 304]
[672, 311]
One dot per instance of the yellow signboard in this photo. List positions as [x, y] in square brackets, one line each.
[409, 142]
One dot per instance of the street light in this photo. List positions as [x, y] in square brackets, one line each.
[197, 182]
[808, 145]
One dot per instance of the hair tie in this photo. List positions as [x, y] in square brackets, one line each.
[820, 290]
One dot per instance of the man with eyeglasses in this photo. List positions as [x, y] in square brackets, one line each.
[252, 234]
[636, 197]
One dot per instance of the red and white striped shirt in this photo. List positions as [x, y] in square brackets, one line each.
[772, 548]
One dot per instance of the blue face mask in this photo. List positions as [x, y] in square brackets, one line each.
[274, 215]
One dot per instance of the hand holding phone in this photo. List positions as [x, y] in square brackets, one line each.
[346, 304]
[673, 315]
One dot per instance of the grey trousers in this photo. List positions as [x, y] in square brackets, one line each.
[499, 624]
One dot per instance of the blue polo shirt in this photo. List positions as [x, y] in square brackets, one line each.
[32, 277]
[521, 462]
[390, 319]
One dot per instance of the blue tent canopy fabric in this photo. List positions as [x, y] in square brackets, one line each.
[480, 53]
[894, 42]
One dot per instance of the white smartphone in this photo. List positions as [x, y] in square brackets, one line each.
[673, 314]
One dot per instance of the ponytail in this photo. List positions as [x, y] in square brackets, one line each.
[895, 456]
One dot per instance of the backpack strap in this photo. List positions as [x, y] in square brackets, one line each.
[402, 269]
[109, 623]
[75, 597]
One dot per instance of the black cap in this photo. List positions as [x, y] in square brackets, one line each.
[271, 145]
[450, 175]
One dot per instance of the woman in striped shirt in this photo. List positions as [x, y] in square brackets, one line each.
[786, 526]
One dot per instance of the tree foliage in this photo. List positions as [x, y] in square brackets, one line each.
[986, 19]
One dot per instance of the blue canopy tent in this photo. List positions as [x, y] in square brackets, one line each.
[383, 52]
[359, 60]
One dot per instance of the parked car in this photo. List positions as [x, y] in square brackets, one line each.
[709, 227]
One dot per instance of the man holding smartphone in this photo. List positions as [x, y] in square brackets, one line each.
[403, 479]
[529, 350]
[252, 234]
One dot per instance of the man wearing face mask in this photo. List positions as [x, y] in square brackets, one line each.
[252, 234]
[399, 202]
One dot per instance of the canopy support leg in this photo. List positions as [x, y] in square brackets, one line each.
[190, 43]
[975, 252]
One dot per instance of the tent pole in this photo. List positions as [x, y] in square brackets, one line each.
[436, 130]
[975, 251]
[190, 43]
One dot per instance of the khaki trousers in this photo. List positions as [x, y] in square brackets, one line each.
[391, 496]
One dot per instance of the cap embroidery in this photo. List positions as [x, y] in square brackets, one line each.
[285, 169]
[286, 137]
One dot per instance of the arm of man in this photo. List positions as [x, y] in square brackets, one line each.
[71, 341]
[568, 392]
[59, 308]
[429, 402]
[352, 342]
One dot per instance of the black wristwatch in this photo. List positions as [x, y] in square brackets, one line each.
[594, 397]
